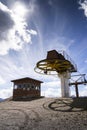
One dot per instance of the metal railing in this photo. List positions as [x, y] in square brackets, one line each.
[67, 57]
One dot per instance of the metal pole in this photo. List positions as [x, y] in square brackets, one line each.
[76, 88]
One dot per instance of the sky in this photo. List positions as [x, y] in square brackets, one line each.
[30, 28]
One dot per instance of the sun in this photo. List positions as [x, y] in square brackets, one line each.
[19, 9]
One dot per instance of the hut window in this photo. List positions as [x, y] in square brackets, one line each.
[32, 87]
[15, 87]
[19, 86]
[37, 88]
[23, 88]
[28, 88]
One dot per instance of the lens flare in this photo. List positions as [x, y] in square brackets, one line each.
[19, 9]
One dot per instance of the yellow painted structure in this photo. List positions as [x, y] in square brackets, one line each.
[60, 64]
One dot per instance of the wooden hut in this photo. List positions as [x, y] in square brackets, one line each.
[26, 88]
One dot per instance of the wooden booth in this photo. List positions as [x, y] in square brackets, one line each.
[26, 88]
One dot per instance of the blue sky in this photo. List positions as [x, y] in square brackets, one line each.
[30, 28]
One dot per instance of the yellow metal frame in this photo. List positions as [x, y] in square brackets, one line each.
[54, 65]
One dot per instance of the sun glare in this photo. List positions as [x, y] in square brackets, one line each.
[19, 9]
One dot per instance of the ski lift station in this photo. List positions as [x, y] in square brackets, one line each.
[61, 64]
[56, 63]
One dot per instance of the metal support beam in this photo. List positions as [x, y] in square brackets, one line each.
[76, 86]
[77, 92]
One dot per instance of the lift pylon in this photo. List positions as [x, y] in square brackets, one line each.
[79, 81]
[58, 63]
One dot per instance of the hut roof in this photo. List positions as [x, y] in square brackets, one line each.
[26, 79]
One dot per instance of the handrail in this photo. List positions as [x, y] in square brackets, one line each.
[67, 57]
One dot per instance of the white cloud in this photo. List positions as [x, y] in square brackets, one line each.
[33, 32]
[59, 43]
[51, 89]
[3, 7]
[6, 93]
[83, 91]
[14, 30]
[51, 92]
[83, 5]
[2, 81]
[52, 83]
